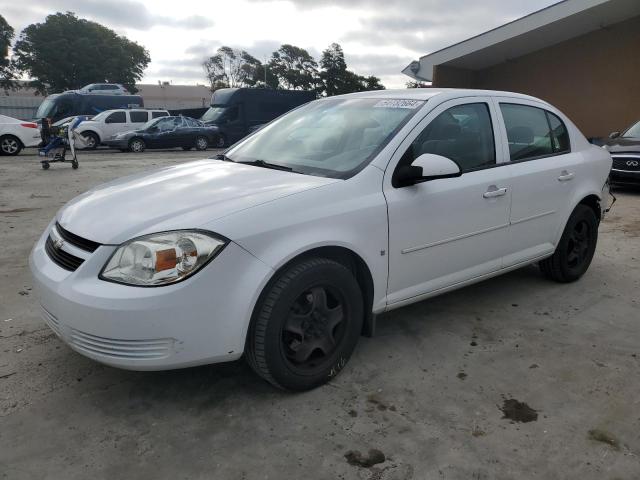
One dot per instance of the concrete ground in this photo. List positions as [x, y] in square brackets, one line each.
[426, 392]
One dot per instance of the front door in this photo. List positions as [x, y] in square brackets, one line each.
[444, 232]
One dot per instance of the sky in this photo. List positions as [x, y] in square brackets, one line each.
[379, 37]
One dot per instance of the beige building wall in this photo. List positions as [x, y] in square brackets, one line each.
[594, 78]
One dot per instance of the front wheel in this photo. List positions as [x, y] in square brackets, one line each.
[202, 143]
[137, 145]
[10, 145]
[306, 325]
[575, 250]
[91, 140]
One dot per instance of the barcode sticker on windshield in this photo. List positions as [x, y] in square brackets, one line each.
[398, 104]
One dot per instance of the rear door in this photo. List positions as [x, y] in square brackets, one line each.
[446, 231]
[544, 173]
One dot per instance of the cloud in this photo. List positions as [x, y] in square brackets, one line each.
[130, 14]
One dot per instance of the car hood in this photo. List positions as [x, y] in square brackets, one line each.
[623, 144]
[189, 195]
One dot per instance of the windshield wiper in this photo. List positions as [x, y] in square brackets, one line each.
[223, 157]
[273, 166]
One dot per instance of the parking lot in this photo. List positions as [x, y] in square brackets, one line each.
[429, 393]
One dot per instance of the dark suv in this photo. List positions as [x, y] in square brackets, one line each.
[625, 151]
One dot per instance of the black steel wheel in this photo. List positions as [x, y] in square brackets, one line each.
[306, 325]
[576, 248]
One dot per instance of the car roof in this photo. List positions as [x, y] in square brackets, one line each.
[441, 93]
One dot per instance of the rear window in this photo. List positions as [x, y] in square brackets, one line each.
[159, 114]
[139, 117]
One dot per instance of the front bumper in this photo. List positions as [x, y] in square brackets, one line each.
[201, 320]
[625, 176]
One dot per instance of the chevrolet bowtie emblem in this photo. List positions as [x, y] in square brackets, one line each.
[57, 244]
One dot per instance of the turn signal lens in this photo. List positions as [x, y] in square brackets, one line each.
[29, 125]
[162, 258]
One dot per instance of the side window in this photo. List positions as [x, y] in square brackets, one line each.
[463, 133]
[528, 131]
[139, 116]
[159, 114]
[559, 134]
[165, 125]
[116, 117]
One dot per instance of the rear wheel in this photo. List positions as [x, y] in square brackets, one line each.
[202, 143]
[137, 145]
[91, 139]
[306, 325]
[576, 248]
[10, 145]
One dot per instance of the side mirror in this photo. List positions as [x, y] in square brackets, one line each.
[424, 168]
[614, 135]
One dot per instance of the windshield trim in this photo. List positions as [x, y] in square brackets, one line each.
[319, 172]
[634, 125]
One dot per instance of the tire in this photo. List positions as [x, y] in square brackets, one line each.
[74, 164]
[300, 337]
[10, 145]
[186, 149]
[201, 143]
[136, 145]
[45, 165]
[575, 250]
[92, 140]
[221, 141]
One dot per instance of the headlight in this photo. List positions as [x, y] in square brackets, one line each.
[162, 258]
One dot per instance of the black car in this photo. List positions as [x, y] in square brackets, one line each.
[166, 132]
[625, 151]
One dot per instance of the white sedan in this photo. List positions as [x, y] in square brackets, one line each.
[17, 134]
[286, 248]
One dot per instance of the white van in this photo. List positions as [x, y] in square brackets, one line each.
[111, 122]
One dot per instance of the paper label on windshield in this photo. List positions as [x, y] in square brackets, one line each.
[411, 104]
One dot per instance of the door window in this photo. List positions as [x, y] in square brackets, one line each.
[463, 133]
[533, 132]
[116, 117]
[139, 116]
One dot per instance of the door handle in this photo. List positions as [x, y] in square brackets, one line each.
[494, 192]
[565, 176]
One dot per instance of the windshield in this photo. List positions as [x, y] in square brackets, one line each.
[633, 132]
[213, 114]
[101, 115]
[46, 108]
[332, 138]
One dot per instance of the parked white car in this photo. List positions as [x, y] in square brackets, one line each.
[286, 247]
[17, 134]
[104, 89]
[112, 122]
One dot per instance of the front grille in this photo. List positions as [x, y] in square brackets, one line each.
[629, 163]
[75, 240]
[151, 349]
[62, 258]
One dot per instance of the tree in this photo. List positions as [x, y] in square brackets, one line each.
[337, 80]
[295, 68]
[7, 70]
[67, 52]
[234, 68]
[416, 84]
